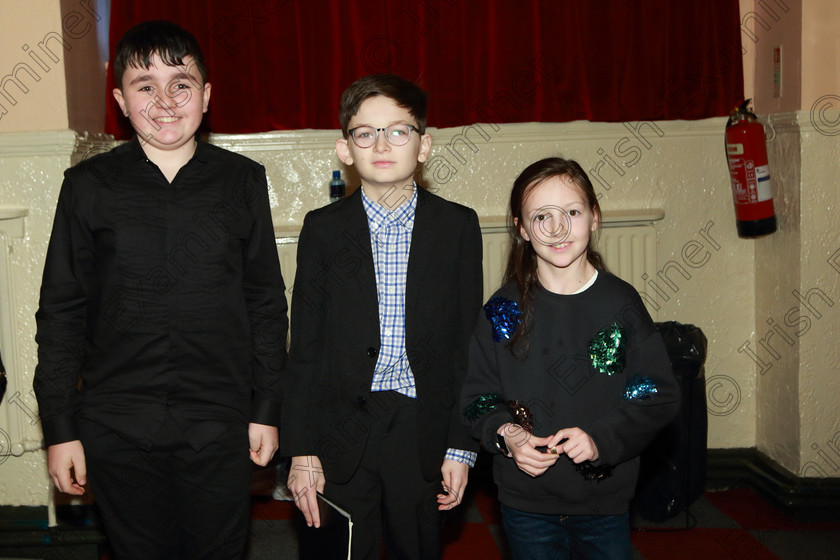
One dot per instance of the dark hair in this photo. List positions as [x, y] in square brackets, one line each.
[164, 38]
[406, 94]
[522, 260]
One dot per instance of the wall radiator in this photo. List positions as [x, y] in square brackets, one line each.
[628, 247]
[19, 423]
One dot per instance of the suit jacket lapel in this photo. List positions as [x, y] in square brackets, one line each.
[423, 247]
[355, 235]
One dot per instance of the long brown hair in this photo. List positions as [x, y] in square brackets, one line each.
[521, 267]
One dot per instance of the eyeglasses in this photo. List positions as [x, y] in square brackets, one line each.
[366, 136]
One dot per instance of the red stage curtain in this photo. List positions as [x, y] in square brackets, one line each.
[282, 64]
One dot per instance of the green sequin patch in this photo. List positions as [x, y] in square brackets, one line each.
[482, 405]
[606, 350]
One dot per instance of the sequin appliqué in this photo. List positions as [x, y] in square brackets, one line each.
[503, 315]
[482, 405]
[639, 387]
[606, 350]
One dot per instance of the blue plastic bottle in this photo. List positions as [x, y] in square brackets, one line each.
[336, 187]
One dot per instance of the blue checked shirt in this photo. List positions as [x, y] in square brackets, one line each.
[390, 243]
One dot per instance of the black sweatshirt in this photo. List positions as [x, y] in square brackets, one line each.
[574, 375]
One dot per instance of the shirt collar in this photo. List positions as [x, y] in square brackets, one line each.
[379, 216]
[136, 150]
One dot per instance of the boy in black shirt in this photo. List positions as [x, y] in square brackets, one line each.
[162, 321]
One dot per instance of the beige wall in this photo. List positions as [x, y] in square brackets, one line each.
[681, 168]
[795, 357]
[748, 46]
[49, 51]
[34, 26]
[797, 316]
[771, 24]
[819, 382]
[777, 275]
[820, 53]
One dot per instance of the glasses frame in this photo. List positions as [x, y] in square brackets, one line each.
[411, 128]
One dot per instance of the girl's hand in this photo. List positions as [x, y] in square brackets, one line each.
[579, 446]
[523, 448]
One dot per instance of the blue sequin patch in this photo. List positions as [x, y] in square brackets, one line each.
[606, 350]
[503, 315]
[639, 387]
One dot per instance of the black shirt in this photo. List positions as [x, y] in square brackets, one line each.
[161, 297]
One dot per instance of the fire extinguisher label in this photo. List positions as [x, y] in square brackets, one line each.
[764, 189]
[752, 184]
[735, 149]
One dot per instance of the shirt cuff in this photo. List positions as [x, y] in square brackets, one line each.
[467, 457]
[59, 429]
[264, 411]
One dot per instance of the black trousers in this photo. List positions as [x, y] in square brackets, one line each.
[388, 493]
[172, 501]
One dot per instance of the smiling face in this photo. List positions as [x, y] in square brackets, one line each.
[164, 103]
[383, 165]
[558, 222]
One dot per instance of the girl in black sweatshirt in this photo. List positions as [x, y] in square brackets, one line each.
[568, 378]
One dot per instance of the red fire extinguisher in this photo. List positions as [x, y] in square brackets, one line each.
[746, 151]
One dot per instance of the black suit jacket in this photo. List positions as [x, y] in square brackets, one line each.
[335, 332]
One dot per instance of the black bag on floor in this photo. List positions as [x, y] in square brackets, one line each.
[672, 474]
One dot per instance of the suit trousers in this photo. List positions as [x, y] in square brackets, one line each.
[388, 493]
[171, 501]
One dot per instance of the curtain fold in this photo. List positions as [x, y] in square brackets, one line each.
[282, 64]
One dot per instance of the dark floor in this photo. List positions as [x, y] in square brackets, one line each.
[733, 524]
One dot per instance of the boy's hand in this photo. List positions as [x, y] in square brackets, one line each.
[579, 446]
[66, 465]
[523, 447]
[455, 475]
[306, 478]
[263, 441]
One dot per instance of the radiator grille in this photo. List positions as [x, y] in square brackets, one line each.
[19, 430]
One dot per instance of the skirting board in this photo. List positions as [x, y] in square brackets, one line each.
[24, 533]
[803, 499]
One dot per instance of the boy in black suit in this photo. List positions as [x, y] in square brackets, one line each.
[162, 321]
[387, 290]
